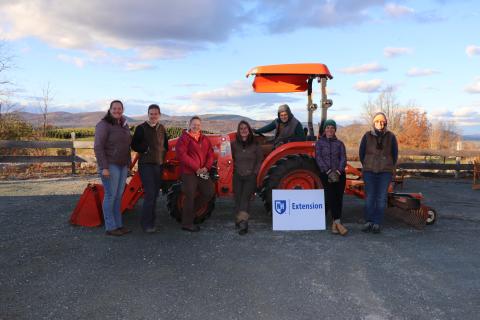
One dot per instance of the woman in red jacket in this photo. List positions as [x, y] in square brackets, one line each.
[195, 153]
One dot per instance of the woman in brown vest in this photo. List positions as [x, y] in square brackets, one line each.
[378, 154]
[150, 140]
[247, 159]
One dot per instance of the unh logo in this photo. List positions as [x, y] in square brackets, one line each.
[280, 206]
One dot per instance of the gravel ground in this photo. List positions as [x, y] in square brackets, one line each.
[51, 270]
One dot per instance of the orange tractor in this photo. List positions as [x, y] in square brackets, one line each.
[289, 166]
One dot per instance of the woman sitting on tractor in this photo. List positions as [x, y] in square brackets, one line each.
[331, 158]
[247, 159]
[287, 127]
[195, 153]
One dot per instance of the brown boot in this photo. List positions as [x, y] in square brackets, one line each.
[340, 228]
[115, 233]
[241, 216]
[334, 228]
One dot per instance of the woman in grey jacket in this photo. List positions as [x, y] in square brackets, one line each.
[112, 150]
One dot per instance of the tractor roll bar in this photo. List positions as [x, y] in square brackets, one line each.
[325, 104]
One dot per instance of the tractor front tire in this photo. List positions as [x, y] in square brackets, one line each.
[175, 198]
[291, 172]
[431, 215]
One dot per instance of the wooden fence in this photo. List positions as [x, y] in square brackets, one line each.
[73, 145]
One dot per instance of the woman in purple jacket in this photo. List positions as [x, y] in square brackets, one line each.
[112, 150]
[331, 159]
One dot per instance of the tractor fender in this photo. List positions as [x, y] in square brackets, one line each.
[303, 147]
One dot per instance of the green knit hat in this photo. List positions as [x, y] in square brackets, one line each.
[330, 122]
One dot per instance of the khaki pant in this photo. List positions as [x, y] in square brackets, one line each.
[243, 188]
[197, 193]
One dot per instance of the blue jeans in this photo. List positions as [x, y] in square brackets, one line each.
[151, 176]
[112, 200]
[376, 188]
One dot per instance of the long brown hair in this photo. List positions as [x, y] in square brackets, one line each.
[108, 117]
[250, 133]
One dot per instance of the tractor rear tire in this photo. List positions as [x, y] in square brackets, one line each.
[175, 200]
[291, 172]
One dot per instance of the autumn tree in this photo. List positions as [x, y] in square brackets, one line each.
[387, 103]
[415, 130]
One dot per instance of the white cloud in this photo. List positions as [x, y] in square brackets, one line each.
[364, 68]
[77, 61]
[391, 52]
[474, 87]
[344, 117]
[240, 94]
[440, 113]
[153, 53]
[158, 29]
[395, 10]
[369, 85]
[416, 72]
[461, 116]
[133, 66]
[466, 112]
[472, 50]
[166, 29]
[286, 16]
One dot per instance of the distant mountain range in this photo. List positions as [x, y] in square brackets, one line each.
[221, 123]
[212, 122]
[472, 137]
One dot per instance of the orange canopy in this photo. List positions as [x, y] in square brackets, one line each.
[286, 77]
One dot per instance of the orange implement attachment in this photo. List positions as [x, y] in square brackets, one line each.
[88, 212]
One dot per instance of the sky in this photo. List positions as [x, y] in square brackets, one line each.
[191, 56]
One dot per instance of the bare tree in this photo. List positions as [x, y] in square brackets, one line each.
[444, 135]
[45, 104]
[5, 84]
[387, 103]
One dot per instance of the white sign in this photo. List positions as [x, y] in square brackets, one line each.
[298, 209]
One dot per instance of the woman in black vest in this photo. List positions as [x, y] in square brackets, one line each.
[150, 140]
[378, 154]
